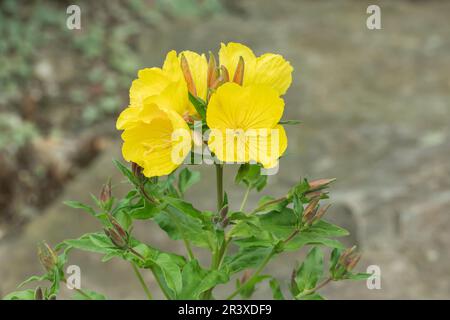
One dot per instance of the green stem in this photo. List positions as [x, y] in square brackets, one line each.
[84, 294]
[141, 280]
[255, 274]
[316, 288]
[219, 183]
[244, 201]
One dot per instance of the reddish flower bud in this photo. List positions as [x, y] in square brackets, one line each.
[239, 73]
[319, 184]
[188, 75]
[47, 256]
[105, 194]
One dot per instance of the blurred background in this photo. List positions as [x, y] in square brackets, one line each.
[374, 107]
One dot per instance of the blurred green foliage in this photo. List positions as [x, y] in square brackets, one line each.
[103, 55]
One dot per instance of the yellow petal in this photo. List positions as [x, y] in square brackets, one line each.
[273, 70]
[229, 55]
[152, 143]
[236, 107]
[174, 97]
[150, 81]
[267, 146]
[127, 118]
[198, 66]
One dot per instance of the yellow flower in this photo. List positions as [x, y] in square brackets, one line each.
[158, 142]
[269, 69]
[244, 124]
[165, 87]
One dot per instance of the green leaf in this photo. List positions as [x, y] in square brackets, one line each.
[197, 280]
[310, 271]
[246, 258]
[250, 286]
[126, 172]
[327, 229]
[276, 290]
[199, 105]
[32, 279]
[184, 207]
[93, 242]
[20, 295]
[278, 206]
[171, 271]
[146, 211]
[250, 175]
[311, 296]
[79, 205]
[186, 179]
[179, 225]
[92, 295]
[289, 122]
[358, 276]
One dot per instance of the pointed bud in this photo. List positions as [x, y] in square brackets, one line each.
[38, 294]
[223, 215]
[314, 194]
[47, 256]
[137, 170]
[188, 75]
[319, 184]
[245, 276]
[310, 210]
[343, 259]
[225, 74]
[105, 194]
[321, 212]
[239, 73]
[122, 233]
[115, 238]
[353, 261]
[213, 72]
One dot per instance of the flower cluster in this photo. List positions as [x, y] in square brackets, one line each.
[240, 96]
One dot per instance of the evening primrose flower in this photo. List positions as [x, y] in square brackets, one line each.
[244, 124]
[158, 142]
[165, 87]
[268, 69]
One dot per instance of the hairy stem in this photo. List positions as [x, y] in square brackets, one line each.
[141, 281]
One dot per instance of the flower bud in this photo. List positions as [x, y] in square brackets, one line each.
[116, 239]
[239, 73]
[213, 72]
[319, 184]
[105, 194]
[188, 75]
[137, 171]
[310, 210]
[349, 258]
[224, 73]
[47, 256]
[223, 216]
[247, 274]
[321, 212]
[117, 227]
[38, 294]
